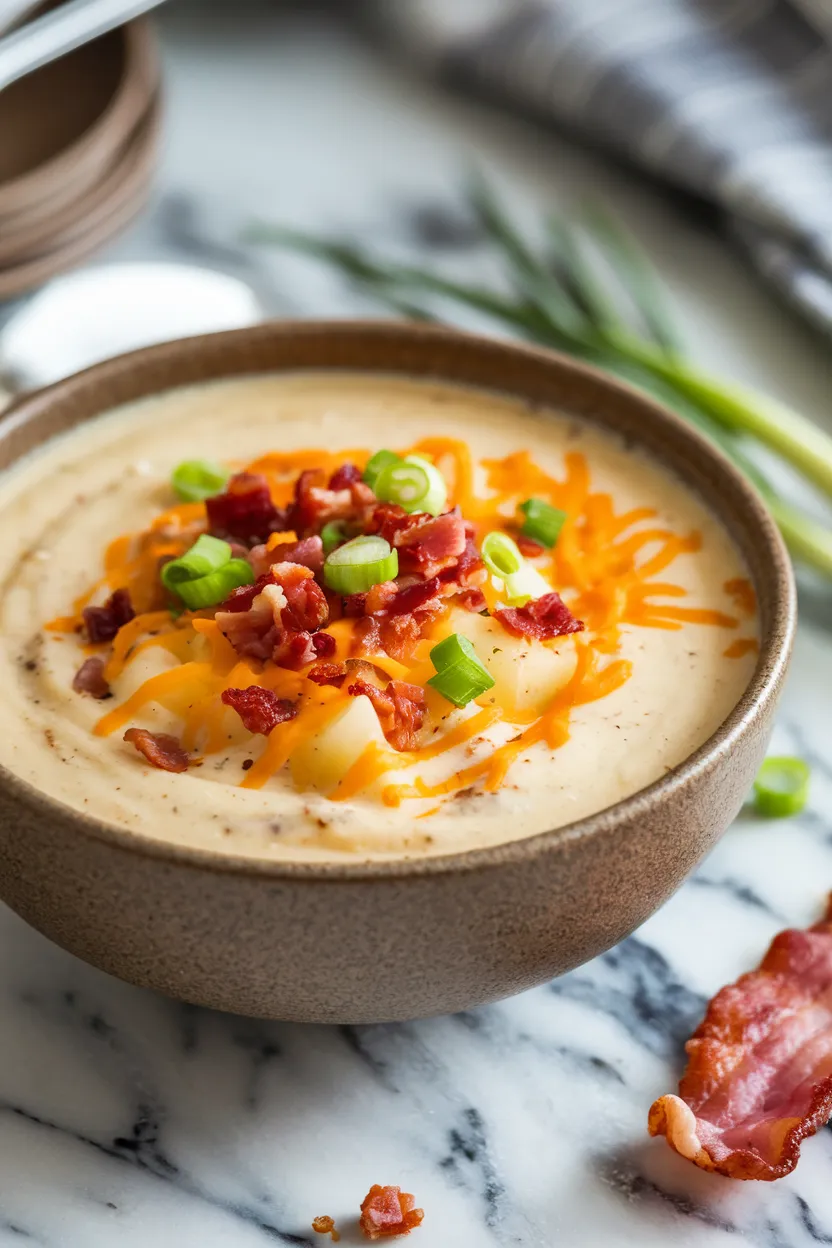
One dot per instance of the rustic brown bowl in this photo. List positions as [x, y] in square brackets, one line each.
[367, 942]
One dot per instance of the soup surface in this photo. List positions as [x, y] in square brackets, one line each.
[571, 724]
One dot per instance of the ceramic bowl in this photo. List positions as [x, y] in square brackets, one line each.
[359, 942]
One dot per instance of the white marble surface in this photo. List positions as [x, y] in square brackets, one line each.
[128, 1119]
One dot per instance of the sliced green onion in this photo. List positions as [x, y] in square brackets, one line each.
[543, 522]
[205, 556]
[500, 555]
[522, 586]
[196, 479]
[460, 675]
[436, 499]
[380, 460]
[207, 591]
[781, 787]
[403, 483]
[332, 535]
[360, 564]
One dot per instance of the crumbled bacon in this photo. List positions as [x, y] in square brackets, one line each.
[344, 477]
[324, 645]
[388, 1211]
[90, 679]
[159, 748]
[528, 549]
[329, 674]
[102, 623]
[426, 544]
[316, 504]
[309, 552]
[245, 511]
[400, 709]
[400, 636]
[472, 600]
[260, 709]
[276, 617]
[540, 619]
[758, 1080]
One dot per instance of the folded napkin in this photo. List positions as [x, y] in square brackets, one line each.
[729, 99]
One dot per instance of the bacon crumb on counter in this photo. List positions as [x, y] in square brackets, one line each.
[759, 1075]
[541, 619]
[160, 749]
[90, 679]
[388, 1211]
[325, 1225]
[102, 623]
[259, 708]
[400, 709]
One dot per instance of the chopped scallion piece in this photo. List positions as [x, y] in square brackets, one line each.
[380, 460]
[522, 586]
[360, 564]
[196, 479]
[208, 591]
[207, 555]
[543, 522]
[403, 483]
[500, 555]
[460, 675]
[332, 535]
[436, 499]
[781, 787]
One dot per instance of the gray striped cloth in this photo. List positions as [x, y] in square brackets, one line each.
[730, 99]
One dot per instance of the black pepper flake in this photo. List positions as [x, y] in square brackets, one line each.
[249, 762]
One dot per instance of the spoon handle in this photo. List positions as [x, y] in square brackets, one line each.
[60, 31]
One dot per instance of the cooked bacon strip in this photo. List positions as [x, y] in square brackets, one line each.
[90, 679]
[541, 619]
[260, 709]
[315, 503]
[102, 623]
[426, 544]
[276, 617]
[400, 709]
[309, 552]
[245, 511]
[388, 1211]
[160, 749]
[759, 1075]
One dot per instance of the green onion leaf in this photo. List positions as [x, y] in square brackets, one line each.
[543, 522]
[460, 675]
[380, 460]
[196, 479]
[436, 499]
[781, 787]
[360, 564]
[205, 556]
[522, 586]
[500, 555]
[208, 591]
[332, 535]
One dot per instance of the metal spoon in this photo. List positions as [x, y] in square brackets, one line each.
[60, 31]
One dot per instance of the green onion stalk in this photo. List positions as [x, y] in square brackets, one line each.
[555, 295]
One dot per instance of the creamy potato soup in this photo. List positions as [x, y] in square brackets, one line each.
[376, 617]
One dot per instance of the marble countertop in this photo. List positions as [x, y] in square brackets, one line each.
[132, 1120]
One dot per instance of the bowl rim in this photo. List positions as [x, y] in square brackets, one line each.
[773, 658]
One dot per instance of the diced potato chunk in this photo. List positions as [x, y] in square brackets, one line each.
[527, 674]
[323, 759]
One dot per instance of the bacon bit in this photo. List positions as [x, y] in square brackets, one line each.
[90, 679]
[275, 617]
[344, 477]
[160, 749]
[315, 504]
[528, 548]
[324, 645]
[387, 1211]
[245, 511]
[259, 708]
[472, 600]
[329, 674]
[400, 635]
[309, 552]
[400, 709]
[540, 619]
[102, 623]
[426, 544]
[353, 606]
[325, 1225]
[758, 1079]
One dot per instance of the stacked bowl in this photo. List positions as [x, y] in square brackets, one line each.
[79, 148]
